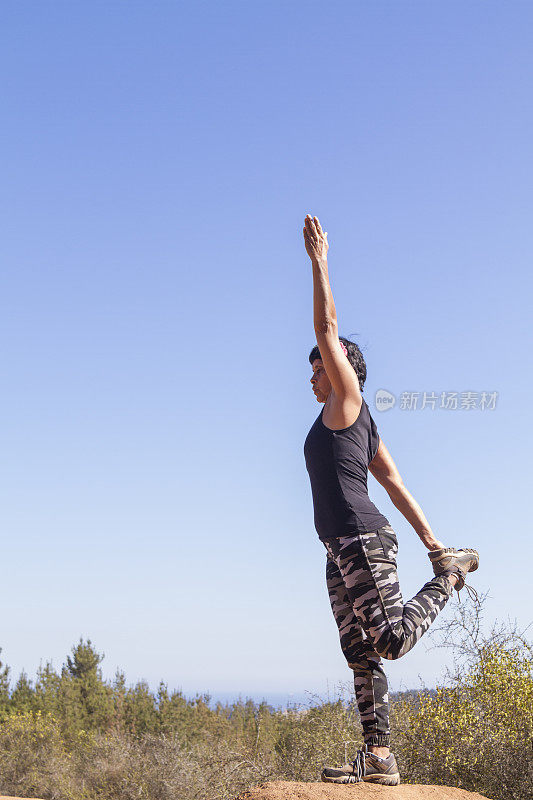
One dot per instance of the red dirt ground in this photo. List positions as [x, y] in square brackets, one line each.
[287, 790]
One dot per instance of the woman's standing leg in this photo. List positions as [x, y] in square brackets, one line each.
[370, 682]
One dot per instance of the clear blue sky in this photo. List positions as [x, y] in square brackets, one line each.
[156, 320]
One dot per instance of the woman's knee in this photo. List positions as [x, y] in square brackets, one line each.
[387, 643]
[358, 660]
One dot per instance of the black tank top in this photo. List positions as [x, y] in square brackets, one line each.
[337, 462]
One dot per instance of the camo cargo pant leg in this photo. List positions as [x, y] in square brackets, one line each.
[367, 563]
[370, 682]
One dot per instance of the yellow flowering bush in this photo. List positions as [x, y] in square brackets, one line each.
[476, 734]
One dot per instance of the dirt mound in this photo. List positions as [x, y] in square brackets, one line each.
[287, 790]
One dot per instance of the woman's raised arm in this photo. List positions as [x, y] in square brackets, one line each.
[341, 374]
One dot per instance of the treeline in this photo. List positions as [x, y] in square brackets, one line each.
[80, 700]
[71, 735]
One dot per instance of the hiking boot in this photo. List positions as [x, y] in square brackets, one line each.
[449, 561]
[365, 767]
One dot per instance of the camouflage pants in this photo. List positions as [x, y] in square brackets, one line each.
[373, 621]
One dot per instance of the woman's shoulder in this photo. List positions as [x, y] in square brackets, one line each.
[339, 416]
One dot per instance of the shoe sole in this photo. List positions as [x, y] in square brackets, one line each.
[386, 780]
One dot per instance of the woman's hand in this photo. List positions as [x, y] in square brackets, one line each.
[316, 241]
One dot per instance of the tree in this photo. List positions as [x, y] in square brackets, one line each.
[85, 660]
[23, 697]
[4, 689]
[86, 701]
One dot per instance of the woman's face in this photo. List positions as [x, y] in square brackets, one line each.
[320, 381]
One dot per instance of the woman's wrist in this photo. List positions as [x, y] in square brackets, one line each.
[320, 269]
[429, 540]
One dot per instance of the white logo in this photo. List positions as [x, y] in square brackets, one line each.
[384, 400]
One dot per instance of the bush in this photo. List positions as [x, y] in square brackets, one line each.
[478, 727]
[33, 760]
[478, 732]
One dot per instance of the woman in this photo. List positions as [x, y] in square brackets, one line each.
[342, 445]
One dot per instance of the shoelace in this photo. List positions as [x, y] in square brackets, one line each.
[471, 592]
[358, 766]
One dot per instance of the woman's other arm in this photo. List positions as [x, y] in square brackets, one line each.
[384, 470]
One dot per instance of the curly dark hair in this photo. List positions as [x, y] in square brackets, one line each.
[355, 357]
